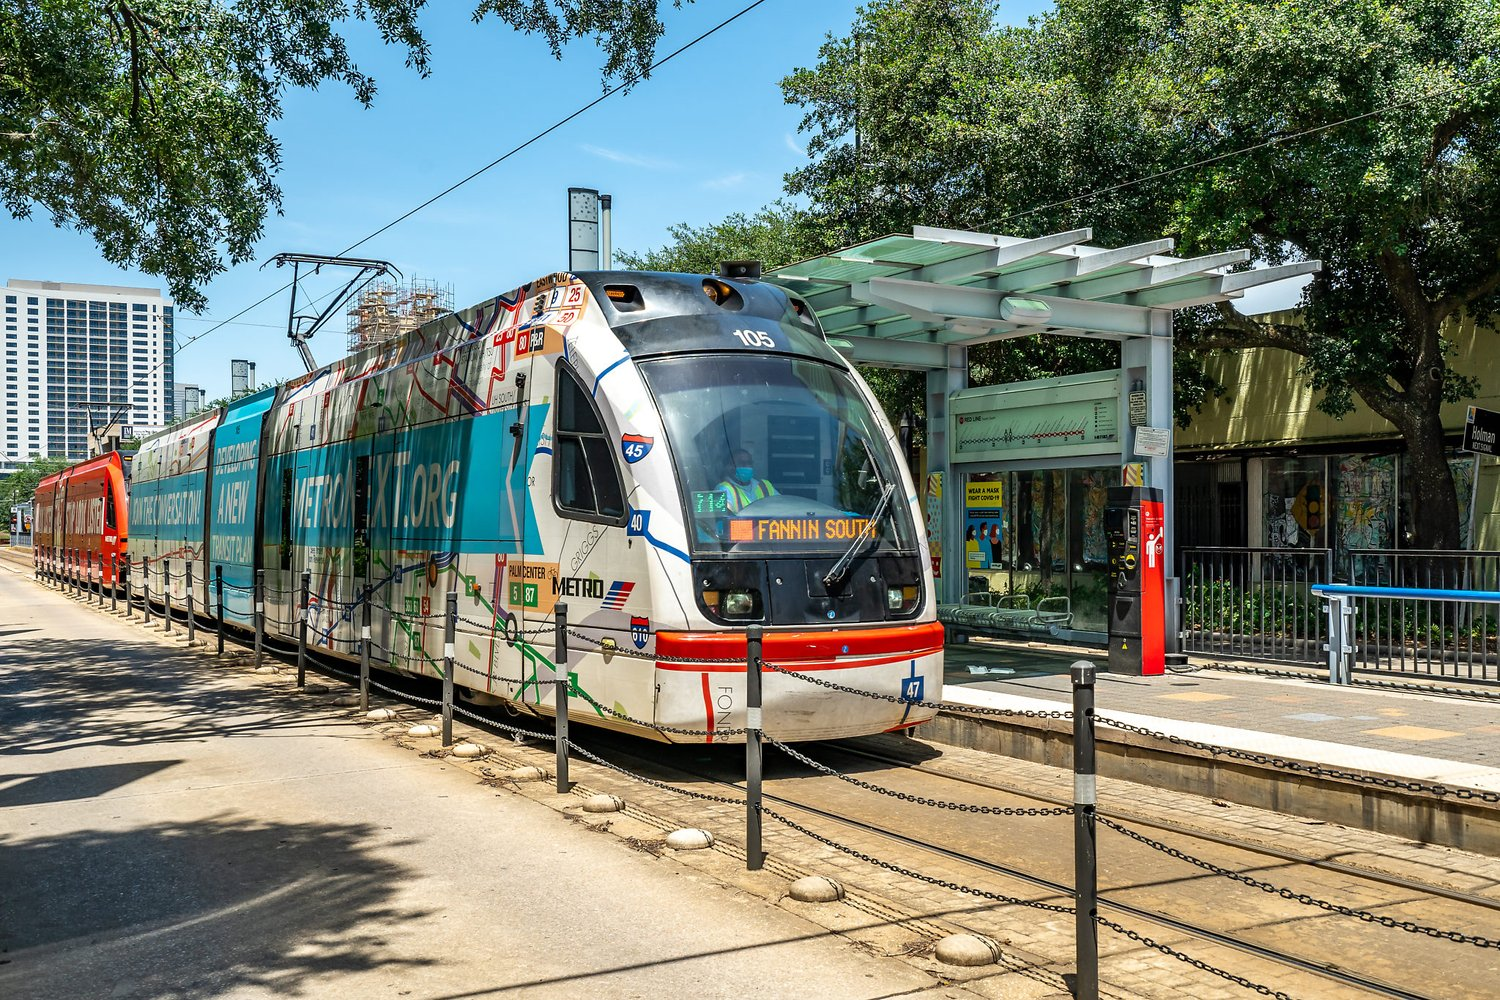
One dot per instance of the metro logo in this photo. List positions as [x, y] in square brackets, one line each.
[619, 593]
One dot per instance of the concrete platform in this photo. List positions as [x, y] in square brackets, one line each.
[1386, 739]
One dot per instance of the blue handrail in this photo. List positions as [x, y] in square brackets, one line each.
[1421, 593]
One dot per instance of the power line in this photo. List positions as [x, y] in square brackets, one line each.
[628, 82]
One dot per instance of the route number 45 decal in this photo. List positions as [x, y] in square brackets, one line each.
[755, 338]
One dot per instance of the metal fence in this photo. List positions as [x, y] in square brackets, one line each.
[1453, 639]
[1254, 603]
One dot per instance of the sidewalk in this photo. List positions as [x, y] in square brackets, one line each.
[1429, 737]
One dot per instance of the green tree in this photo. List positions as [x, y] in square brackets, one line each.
[148, 124]
[21, 484]
[1363, 133]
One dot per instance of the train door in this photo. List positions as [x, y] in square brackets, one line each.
[527, 576]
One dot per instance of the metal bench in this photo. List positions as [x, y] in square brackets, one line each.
[989, 613]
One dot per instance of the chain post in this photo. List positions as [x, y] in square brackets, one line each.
[129, 579]
[68, 574]
[560, 668]
[302, 630]
[755, 858]
[364, 649]
[166, 594]
[99, 586]
[114, 581]
[219, 600]
[146, 587]
[192, 611]
[1085, 854]
[450, 629]
[260, 613]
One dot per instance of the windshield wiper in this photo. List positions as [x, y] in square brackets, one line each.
[835, 578]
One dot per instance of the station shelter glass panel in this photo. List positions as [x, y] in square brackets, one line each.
[1048, 540]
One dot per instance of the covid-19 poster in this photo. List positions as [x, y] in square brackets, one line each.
[984, 525]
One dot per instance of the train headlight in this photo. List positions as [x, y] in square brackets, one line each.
[737, 604]
[901, 599]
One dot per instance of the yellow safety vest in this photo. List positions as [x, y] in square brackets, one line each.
[740, 496]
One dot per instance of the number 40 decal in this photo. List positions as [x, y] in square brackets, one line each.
[755, 338]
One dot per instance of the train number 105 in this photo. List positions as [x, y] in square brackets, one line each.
[755, 338]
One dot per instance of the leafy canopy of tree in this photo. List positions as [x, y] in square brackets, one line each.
[20, 485]
[1362, 132]
[148, 124]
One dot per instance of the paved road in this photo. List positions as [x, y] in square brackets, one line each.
[168, 830]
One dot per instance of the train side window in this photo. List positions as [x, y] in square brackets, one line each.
[286, 518]
[109, 508]
[585, 480]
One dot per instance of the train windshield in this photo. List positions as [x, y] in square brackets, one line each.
[778, 455]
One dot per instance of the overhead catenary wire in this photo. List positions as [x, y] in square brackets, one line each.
[625, 84]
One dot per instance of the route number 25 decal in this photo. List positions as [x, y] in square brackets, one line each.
[754, 338]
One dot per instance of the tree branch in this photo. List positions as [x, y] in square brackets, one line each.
[1454, 301]
[1240, 331]
[1443, 136]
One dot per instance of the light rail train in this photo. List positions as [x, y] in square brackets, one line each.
[574, 442]
[79, 520]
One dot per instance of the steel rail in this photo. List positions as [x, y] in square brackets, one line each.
[1337, 867]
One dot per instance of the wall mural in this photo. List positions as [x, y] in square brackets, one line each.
[1366, 508]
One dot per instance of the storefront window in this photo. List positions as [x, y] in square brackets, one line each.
[1295, 503]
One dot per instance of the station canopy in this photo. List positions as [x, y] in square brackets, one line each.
[903, 301]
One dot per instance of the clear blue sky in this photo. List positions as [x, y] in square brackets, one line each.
[707, 135]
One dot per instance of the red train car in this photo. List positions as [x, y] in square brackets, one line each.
[81, 520]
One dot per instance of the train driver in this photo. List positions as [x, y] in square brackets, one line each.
[741, 486]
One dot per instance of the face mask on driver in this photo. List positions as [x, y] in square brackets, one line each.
[744, 474]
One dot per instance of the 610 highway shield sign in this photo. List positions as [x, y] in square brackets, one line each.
[1481, 431]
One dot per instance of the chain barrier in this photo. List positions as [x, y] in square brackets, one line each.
[705, 796]
[514, 730]
[499, 628]
[1300, 897]
[1196, 963]
[908, 873]
[1356, 681]
[919, 799]
[1301, 768]
[403, 696]
[661, 657]
[657, 726]
[941, 706]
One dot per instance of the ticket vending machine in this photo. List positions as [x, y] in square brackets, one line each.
[1135, 532]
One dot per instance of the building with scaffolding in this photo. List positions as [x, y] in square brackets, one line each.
[386, 310]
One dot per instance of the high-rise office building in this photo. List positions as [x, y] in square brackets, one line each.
[78, 357]
[187, 399]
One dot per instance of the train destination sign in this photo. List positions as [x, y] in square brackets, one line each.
[796, 529]
[1481, 431]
